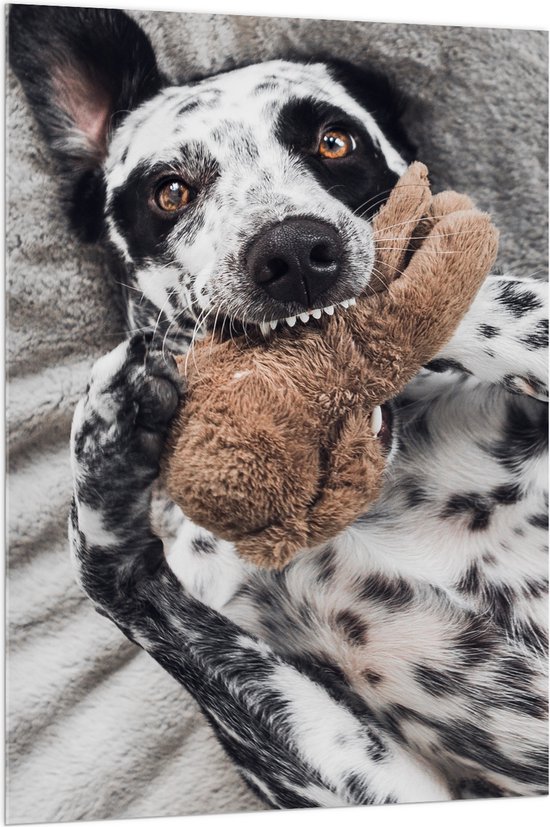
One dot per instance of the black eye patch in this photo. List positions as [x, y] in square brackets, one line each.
[362, 180]
[144, 229]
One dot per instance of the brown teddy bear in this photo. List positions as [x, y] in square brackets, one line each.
[281, 442]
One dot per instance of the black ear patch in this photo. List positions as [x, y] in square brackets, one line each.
[82, 70]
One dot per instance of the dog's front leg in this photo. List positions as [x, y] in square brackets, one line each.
[118, 433]
[294, 742]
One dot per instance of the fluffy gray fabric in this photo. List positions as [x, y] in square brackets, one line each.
[96, 729]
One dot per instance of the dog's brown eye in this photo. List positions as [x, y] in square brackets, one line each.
[172, 195]
[336, 143]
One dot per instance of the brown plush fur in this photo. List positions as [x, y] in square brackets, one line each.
[273, 448]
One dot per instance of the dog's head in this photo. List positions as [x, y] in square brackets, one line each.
[244, 196]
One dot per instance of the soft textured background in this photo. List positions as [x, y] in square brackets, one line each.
[95, 728]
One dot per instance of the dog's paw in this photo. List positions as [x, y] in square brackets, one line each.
[120, 425]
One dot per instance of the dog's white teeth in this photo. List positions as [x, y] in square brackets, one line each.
[376, 420]
[306, 315]
[352, 302]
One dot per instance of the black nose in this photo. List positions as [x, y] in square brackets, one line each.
[296, 260]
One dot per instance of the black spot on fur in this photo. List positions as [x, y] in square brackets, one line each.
[475, 641]
[517, 300]
[356, 789]
[537, 385]
[466, 739]
[372, 677]
[326, 566]
[189, 107]
[203, 545]
[479, 788]
[353, 627]
[419, 429]
[524, 435]
[415, 496]
[539, 520]
[500, 600]
[393, 593]
[536, 588]
[488, 331]
[476, 506]
[435, 682]
[441, 365]
[510, 382]
[266, 86]
[532, 635]
[516, 384]
[471, 581]
[506, 494]
[538, 338]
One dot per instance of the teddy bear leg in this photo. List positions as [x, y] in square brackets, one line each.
[353, 479]
[276, 545]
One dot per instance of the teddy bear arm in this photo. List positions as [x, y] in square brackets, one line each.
[425, 306]
[395, 223]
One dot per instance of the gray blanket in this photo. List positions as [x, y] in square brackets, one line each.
[95, 728]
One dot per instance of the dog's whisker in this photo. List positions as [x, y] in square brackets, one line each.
[191, 348]
[412, 250]
[381, 197]
[171, 292]
[231, 329]
[164, 340]
[214, 328]
[411, 221]
[381, 276]
[371, 203]
[129, 286]
[431, 235]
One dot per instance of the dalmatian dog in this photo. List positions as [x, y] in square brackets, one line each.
[404, 660]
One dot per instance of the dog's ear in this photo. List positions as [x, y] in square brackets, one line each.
[82, 70]
[376, 94]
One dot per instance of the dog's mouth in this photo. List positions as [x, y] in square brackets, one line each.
[227, 328]
[267, 327]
